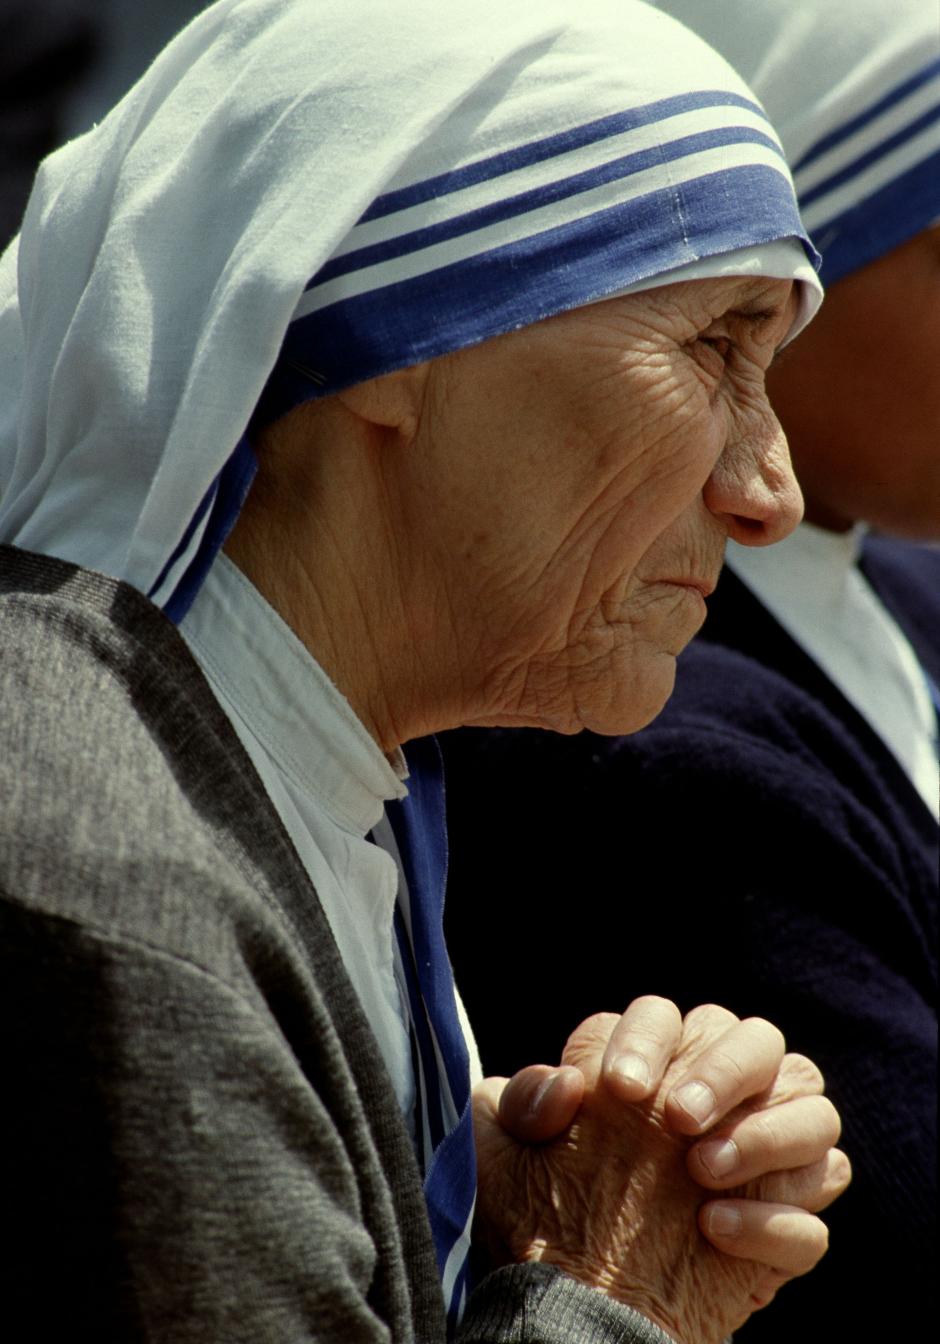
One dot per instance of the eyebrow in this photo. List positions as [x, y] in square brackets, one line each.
[759, 317]
[756, 318]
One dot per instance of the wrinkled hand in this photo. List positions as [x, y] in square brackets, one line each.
[611, 1197]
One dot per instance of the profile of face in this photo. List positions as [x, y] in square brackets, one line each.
[859, 396]
[574, 484]
[523, 532]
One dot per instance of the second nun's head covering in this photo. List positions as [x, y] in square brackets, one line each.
[298, 196]
[853, 88]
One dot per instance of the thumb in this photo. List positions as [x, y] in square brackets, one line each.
[539, 1103]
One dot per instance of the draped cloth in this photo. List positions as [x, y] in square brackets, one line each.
[853, 88]
[296, 197]
[444, 1130]
[813, 585]
[403, 178]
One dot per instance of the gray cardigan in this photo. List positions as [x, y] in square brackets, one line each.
[198, 1138]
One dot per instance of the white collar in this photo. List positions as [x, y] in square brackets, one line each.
[286, 700]
[810, 552]
[812, 585]
[126, 319]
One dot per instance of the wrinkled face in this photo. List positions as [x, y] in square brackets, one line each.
[580, 478]
[859, 396]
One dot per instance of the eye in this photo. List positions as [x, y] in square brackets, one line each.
[722, 345]
[713, 353]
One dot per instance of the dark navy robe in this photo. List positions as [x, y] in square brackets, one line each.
[757, 846]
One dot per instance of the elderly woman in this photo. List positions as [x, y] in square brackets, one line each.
[797, 760]
[425, 315]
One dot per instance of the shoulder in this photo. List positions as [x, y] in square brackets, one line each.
[915, 565]
[190, 987]
[124, 788]
[907, 579]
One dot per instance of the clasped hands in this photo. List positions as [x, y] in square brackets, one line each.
[600, 1166]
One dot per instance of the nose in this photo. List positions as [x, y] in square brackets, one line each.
[752, 488]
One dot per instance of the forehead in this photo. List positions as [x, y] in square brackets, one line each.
[761, 307]
[695, 303]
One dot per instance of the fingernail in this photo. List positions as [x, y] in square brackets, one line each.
[541, 1092]
[723, 1221]
[697, 1100]
[632, 1069]
[719, 1156]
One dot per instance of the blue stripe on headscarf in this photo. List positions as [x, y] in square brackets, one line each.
[538, 151]
[522, 282]
[881, 222]
[870, 156]
[224, 501]
[537, 198]
[869, 114]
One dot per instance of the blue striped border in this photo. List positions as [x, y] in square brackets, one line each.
[186, 538]
[886, 219]
[895, 95]
[538, 197]
[879, 151]
[537, 151]
[419, 823]
[428, 1085]
[450, 1186]
[522, 282]
[230, 490]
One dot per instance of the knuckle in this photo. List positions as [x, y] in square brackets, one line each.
[598, 1025]
[761, 1133]
[815, 1243]
[840, 1170]
[726, 1068]
[800, 1072]
[812, 1187]
[590, 1036]
[766, 1291]
[654, 1003]
[710, 1015]
[768, 1033]
[640, 1034]
[797, 1241]
[649, 1027]
[829, 1119]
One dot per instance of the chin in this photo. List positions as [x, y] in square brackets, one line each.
[637, 701]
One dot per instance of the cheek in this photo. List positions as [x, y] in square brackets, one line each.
[642, 468]
[680, 468]
[621, 687]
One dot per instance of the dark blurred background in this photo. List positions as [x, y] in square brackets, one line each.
[63, 64]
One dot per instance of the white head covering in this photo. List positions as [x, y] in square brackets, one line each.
[444, 172]
[853, 88]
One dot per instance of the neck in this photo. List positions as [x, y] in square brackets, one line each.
[314, 537]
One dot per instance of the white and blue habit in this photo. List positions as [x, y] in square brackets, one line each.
[295, 198]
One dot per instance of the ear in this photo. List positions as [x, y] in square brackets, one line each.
[392, 401]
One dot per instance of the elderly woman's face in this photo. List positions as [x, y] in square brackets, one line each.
[578, 480]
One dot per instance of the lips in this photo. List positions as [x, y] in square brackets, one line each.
[701, 585]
